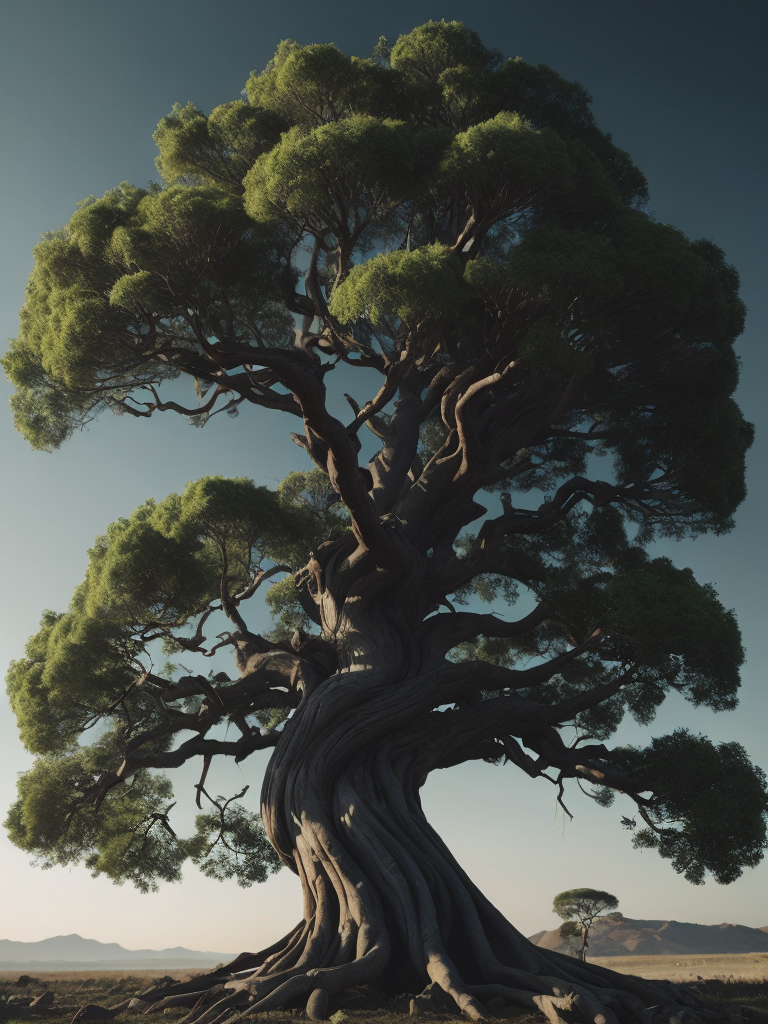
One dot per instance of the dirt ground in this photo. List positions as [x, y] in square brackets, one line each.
[739, 966]
[76, 988]
[35, 970]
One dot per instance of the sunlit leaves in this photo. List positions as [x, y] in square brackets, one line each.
[151, 574]
[334, 178]
[502, 166]
[124, 839]
[448, 69]
[195, 243]
[219, 148]
[416, 289]
[74, 668]
[312, 85]
[133, 274]
[164, 563]
[480, 243]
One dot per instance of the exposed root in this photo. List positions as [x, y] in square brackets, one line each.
[560, 1000]
[386, 904]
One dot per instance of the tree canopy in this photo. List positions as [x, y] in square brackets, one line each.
[555, 372]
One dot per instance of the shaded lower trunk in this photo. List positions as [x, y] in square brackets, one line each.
[385, 903]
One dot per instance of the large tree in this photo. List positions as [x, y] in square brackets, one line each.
[455, 228]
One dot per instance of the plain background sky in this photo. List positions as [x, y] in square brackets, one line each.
[681, 84]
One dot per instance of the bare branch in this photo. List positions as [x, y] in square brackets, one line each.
[259, 578]
[444, 631]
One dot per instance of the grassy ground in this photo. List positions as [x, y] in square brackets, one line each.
[733, 989]
[737, 994]
[739, 966]
[731, 980]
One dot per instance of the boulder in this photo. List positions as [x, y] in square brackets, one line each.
[92, 1012]
[46, 999]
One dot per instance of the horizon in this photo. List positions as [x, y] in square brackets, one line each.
[166, 949]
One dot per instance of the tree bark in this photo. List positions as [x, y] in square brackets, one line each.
[385, 903]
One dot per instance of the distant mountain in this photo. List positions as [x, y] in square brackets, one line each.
[73, 949]
[616, 935]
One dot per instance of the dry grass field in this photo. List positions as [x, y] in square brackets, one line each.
[736, 966]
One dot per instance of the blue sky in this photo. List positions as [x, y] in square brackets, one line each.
[82, 85]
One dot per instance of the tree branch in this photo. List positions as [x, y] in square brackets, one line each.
[446, 630]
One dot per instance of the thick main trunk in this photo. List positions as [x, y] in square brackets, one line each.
[385, 903]
[384, 900]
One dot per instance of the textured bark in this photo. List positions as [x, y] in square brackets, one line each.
[385, 903]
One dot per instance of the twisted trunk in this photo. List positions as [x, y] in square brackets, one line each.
[385, 903]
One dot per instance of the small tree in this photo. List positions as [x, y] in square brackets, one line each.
[579, 908]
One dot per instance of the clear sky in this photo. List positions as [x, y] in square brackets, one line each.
[680, 84]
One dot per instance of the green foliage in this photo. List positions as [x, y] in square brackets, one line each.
[505, 163]
[164, 563]
[316, 84]
[467, 214]
[679, 628]
[322, 180]
[129, 838]
[449, 72]
[157, 569]
[654, 617]
[709, 806]
[547, 352]
[72, 667]
[285, 608]
[579, 908]
[583, 904]
[570, 932]
[325, 518]
[547, 100]
[123, 274]
[235, 847]
[150, 574]
[125, 839]
[419, 290]
[216, 149]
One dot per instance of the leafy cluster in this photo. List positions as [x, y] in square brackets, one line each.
[706, 795]
[149, 581]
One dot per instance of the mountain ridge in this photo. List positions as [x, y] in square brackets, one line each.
[75, 949]
[616, 935]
